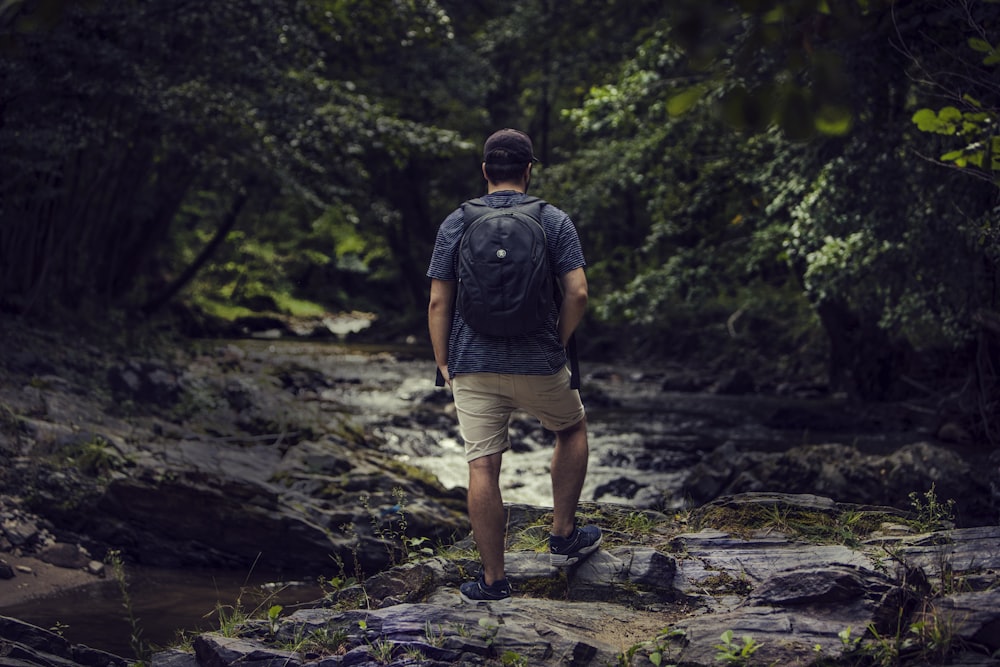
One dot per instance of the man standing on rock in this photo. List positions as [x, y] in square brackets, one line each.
[491, 376]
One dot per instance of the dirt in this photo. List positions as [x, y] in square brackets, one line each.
[36, 579]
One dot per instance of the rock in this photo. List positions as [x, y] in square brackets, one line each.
[144, 382]
[24, 645]
[60, 554]
[213, 649]
[842, 471]
[174, 658]
[793, 599]
[735, 382]
[209, 504]
[683, 382]
[20, 533]
[680, 598]
[6, 571]
[968, 615]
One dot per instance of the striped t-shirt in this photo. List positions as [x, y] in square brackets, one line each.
[537, 353]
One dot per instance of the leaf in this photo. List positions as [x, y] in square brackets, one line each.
[926, 120]
[950, 114]
[969, 99]
[683, 101]
[980, 45]
[835, 121]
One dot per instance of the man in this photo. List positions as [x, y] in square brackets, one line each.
[492, 376]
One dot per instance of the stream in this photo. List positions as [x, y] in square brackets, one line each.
[643, 440]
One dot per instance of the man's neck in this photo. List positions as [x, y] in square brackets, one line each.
[500, 187]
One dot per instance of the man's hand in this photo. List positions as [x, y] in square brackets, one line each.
[439, 322]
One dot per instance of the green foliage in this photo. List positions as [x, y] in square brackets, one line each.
[733, 653]
[273, 618]
[96, 457]
[976, 122]
[321, 641]
[663, 647]
[845, 222]
[745, 177]
[931, 513]
[489, 631]
[513, 659]
[227, 105]
[849, 527]
[389, 525]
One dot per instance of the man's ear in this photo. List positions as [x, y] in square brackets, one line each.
[484, 172]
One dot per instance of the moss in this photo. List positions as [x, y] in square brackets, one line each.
[415, 473]
[10, 422]
[297, 307]
[95, 457]
[533, 538]
[812, 525]
[726, 584]
[555, 588]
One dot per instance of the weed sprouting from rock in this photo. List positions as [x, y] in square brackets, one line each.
[139, 646]
[931, 512]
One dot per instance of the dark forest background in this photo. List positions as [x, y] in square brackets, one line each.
[804, 188]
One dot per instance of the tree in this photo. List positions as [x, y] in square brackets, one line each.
[816, 177]
[121, 115]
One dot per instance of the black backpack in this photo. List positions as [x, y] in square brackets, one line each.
[505, 282]
[506, 285]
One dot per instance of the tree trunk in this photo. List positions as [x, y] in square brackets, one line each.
[863, 361]
[227, 225]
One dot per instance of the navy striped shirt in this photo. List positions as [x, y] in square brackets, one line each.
[537, 353]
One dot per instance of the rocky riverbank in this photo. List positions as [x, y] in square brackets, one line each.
[766, 579]
[299, 458]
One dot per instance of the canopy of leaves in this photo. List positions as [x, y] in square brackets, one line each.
[745, 175]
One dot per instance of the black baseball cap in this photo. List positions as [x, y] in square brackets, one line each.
[508, 146]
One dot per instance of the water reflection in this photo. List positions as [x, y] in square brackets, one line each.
[167, 604]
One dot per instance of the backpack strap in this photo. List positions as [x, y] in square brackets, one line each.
[574, 362]
[476, 208]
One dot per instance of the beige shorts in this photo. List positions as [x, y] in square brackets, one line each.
[486, 401]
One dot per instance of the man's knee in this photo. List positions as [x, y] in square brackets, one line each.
[489, 464]
[575, 430]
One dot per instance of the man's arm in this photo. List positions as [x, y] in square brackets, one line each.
[439, 321]
[574, 304]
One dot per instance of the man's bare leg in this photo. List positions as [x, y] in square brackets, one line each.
[486, 514]
[569, 470]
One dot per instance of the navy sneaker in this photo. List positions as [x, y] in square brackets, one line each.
[477, 591]
[571, 550]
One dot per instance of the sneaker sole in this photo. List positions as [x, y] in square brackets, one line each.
[468, 600]
[558, 560]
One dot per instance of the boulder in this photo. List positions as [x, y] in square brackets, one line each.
[843, 472]
[25, 645]
[61, 554]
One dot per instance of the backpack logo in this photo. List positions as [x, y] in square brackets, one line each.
[505, 283]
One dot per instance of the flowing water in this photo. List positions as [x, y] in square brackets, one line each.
[642, 441]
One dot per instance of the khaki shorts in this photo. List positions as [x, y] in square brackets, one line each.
[485, 402]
